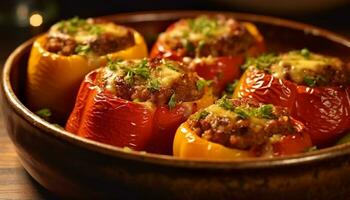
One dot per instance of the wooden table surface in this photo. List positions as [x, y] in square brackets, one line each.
[15, 182]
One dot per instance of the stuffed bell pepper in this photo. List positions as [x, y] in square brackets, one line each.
[313, 87]
[61, 58]
[240, 128]
[215, 46]
[138, 103]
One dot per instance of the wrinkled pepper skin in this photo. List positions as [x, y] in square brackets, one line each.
[325, 111]
[222, 70]
[189, 145]
[101, 116]
[53, 80]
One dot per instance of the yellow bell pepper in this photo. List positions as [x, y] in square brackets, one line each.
[188, 144]
[53, 80]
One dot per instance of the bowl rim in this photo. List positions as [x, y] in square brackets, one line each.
[118, 152]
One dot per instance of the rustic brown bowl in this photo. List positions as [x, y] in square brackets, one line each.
[71, 166]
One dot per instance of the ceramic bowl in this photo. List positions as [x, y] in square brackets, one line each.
[74, 167]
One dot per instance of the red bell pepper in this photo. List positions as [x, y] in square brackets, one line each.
[223, 69]
[102, 116]
[325, 111]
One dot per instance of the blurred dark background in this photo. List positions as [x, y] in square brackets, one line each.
[22, 19]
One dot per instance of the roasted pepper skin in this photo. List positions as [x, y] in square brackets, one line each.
[189, 145]
[325, 111]
[53, 80]
[101, 116]
[222, 70]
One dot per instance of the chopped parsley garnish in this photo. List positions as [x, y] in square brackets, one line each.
[44, 113]
[95, 30]
[314, 81]
[140, 69]
[203, 25]
[129, 78]
[82, 49]
[262, 62]
[172, 101]
[266, 111]
[242, 113]
[154, 85]
[310, 81]
[73, 25]
[201, 83]
[305, 52]
[201, 115]
[113, 64]
[225, 103]
[170, 65]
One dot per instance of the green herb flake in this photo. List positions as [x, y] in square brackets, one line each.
[262, 62]
[129, 78]
[201, 115]
[113, 64]
[154, 85]
[95, 30]
[142, 69]
[203, 25]
[172, 101]
[200, 84]
[310, 81]
[44, 113]
[82, 49]
[305, 53]
[266, 111]
[225, 103]
[170, 66]
[72, 25]
[242, 113]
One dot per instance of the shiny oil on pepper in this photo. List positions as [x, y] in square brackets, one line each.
[234, 130]
[214, 46]
[53, 78]
[137, 104]
[314, 88]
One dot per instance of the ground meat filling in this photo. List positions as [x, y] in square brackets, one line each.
[304, 68]
[61, 46]
[241, 124]
[79, 36]
[162, 82]
[204, 36]
[108, 43]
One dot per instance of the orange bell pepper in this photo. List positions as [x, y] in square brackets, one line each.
[188, 144]
[107, 118]
[53, 80]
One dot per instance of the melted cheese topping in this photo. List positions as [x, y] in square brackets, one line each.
[201, 28]
[221, 112]
[162, 73]
[297, 66]
[86, 32]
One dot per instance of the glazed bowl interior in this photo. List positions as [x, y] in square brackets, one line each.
[280, 35]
